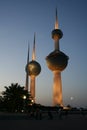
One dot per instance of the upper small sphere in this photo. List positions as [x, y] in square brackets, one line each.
[33, 68]
[57, 61]
[57, 32]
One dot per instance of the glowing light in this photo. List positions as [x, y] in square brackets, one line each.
[71, 98]
[32, 100]
[24, 97]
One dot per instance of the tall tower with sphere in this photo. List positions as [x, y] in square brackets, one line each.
[33, 69]
[57, 62]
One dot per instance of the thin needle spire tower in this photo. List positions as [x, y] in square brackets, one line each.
[27, 79]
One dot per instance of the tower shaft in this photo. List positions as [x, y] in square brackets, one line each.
[27, 82]
[27, 78]
[32, 88]
[56, 44]
[57, 89]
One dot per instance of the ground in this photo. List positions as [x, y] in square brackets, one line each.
[24, 122]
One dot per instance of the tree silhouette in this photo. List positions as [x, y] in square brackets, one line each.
[15, 98]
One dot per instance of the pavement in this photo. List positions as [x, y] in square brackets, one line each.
[25, 122]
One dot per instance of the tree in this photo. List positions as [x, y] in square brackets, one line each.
[15, 98]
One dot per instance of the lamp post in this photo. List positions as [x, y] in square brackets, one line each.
[24, 102]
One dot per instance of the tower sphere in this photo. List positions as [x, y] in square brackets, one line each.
[33, 68]
[57, 61]
[57, 32]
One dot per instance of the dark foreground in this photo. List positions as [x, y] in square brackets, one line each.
[24, 122]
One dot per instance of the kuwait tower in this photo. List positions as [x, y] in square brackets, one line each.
[57, 62]
[33, 69]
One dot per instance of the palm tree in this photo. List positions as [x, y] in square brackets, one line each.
[13, 98]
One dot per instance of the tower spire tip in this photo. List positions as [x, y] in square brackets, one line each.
[33, 53]
[56, 22]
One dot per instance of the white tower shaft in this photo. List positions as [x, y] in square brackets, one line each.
[27, 78]
[56, 43]
[32, 88]
[57, 89]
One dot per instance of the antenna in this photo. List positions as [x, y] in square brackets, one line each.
[56, 22]
[33, 53]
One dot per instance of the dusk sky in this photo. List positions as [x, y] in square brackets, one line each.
[19, 19]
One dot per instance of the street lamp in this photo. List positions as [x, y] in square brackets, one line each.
[24, 103]
[24, 97]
